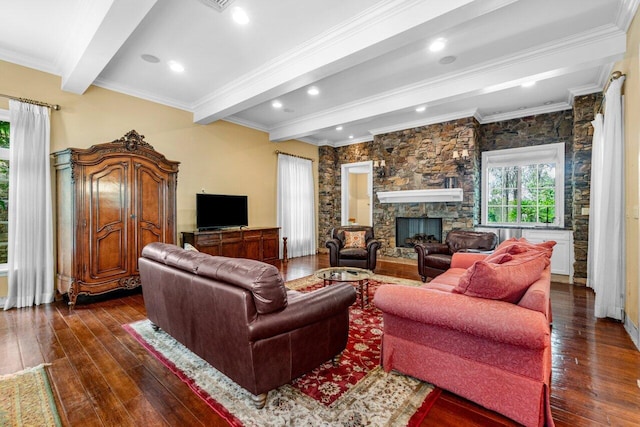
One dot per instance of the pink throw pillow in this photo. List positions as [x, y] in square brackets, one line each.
[506, 282]
[499, 257]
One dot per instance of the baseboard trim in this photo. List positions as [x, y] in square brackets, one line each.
[632, 330]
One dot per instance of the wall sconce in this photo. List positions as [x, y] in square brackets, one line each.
[460, 159]
[380, 167]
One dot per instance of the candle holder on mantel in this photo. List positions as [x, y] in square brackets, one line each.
[451, 182]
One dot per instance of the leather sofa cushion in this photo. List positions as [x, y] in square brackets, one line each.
[506, 282]
[262, 280]
[353, 253]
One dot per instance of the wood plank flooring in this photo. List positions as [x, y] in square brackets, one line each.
[103, 377]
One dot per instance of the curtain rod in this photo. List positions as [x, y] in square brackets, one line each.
[31, 101]
[293, 155]
[614, 76]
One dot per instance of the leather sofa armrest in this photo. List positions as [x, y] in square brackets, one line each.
[373, 245]
[305, 309]
[494, 320]
[334, 251]
[424, 249]
[466, 259]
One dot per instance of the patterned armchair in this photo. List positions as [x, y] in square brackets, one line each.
[353, 246]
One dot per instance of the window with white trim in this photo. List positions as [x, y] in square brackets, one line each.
[523, 186]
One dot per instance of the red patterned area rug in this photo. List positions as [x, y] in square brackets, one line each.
[355, 393]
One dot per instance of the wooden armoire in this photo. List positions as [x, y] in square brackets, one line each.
[112, 200]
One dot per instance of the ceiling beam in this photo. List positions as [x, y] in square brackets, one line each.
[103, 27]
[602, 46]
[382, 28]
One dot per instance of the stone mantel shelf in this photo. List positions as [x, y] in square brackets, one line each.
[421, 196]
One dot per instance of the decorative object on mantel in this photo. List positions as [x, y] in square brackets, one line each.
[380, 167]
[451, 182]
[461, 159]
[421, 196]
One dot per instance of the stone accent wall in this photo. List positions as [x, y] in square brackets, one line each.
[584, 110]
[421, 158]
[418, 158]
[542, 129]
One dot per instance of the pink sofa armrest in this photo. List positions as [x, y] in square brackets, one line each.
[466, 259]
[495, 320]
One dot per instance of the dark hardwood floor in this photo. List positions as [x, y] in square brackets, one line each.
[103, 377]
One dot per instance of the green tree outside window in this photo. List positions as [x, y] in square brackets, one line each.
[522, 194]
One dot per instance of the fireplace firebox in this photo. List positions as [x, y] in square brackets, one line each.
[410, 231]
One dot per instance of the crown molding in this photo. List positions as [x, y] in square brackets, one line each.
[246, 123]
[28, 61]
[626, 11]
[353, 141]
[426, 121]
[533, 111]
[126, 90]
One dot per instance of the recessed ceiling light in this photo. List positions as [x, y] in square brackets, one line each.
[240, 16]
[447, 60]
[313, 91]
[420, 109]
[176, 66]
[437, 45]
[338, 128]
[350, 136]
[150, 58]
[528, 84]
[276, 104]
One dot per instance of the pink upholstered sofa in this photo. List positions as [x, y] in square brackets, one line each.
[489, 344]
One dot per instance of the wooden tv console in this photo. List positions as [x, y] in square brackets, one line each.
[261, 243]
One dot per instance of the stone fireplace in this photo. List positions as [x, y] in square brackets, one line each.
[410, 231]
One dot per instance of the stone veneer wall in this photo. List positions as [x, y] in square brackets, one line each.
[417, 158]
[420, 158]
[541, 129]
[584, 109]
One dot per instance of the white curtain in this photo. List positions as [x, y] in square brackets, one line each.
[30, 259]
[606, 254]
[296, 206]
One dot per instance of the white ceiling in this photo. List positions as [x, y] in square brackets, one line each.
[369, 59]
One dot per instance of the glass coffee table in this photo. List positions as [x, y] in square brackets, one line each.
[359, 276]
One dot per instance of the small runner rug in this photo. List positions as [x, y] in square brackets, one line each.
[26, 399]
[357, 392]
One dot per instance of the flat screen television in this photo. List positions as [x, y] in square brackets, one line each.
[220, 211]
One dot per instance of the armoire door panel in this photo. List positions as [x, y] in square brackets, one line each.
[109, 195]
[108, 219]
[110, 255]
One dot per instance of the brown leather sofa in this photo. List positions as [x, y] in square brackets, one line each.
[435, 258]
[237, 315]
[362, 257]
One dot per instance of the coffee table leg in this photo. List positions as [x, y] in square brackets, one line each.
[363, 291]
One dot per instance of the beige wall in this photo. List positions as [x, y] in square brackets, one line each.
[221, 157]
[629, 65]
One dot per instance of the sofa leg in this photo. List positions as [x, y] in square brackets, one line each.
[259, 401]
[424, 278]
[155, 327]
